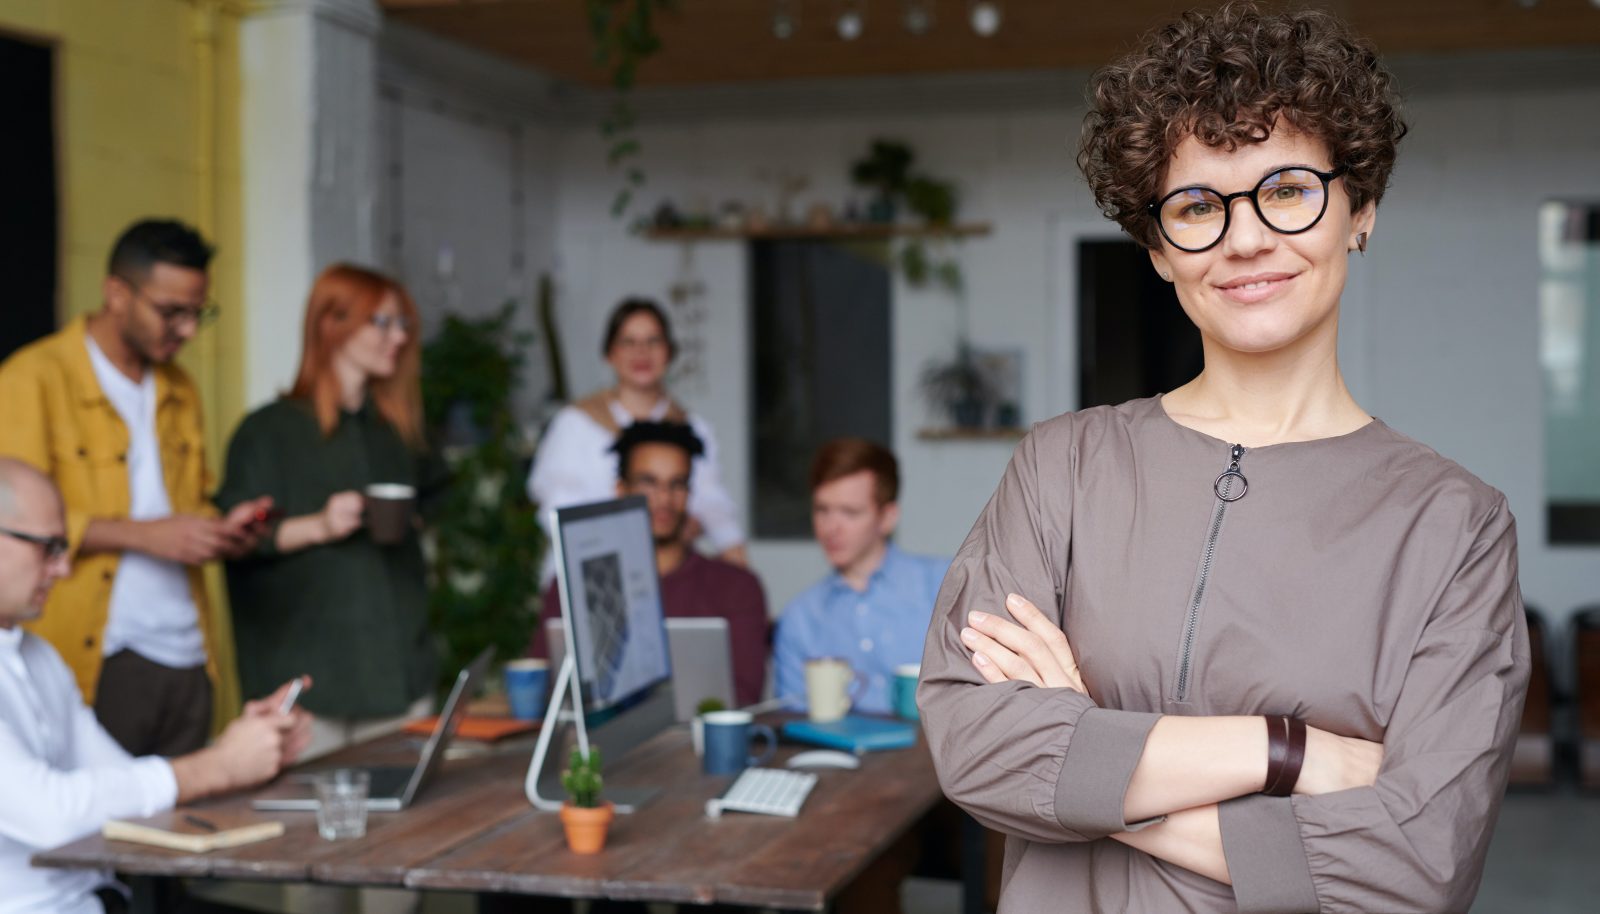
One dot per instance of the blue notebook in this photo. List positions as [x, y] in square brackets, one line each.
[854, 734]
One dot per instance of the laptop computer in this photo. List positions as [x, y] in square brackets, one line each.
[393, 788]
[702, 660]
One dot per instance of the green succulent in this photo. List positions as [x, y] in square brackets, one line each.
[582, 780]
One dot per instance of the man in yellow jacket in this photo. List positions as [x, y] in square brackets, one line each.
[100, 407]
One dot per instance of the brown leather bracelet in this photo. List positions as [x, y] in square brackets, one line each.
[1295, 758]
[1277, 751]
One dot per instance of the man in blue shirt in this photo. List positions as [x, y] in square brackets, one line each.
[873, 611]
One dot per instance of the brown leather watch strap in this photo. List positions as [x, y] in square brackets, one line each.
[1277, 750]
[1295, 758]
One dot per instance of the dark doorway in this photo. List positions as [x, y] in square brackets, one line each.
[1133, 338]
[820, 361]
[28, 245]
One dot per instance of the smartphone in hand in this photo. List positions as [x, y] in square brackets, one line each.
[292, 696]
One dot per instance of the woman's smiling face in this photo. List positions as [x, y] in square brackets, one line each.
[1258, 290]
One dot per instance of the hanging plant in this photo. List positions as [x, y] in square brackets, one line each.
[624, 36]
[887, 171]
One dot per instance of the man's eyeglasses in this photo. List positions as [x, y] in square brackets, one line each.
[1288, 201]
[173, 315]
[54, 546]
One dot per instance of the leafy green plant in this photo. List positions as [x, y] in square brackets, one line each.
[932, 199]
[485, 543]
[887, 169]
[959, 388]
[582, 780]
[707, 705]
[624, 36]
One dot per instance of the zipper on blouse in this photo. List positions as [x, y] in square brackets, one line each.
[1229, 487]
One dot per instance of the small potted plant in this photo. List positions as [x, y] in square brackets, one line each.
[585, 816]
[886, 170]
[959, 388]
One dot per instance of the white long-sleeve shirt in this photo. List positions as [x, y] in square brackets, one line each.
[61, 777]
[574, 466]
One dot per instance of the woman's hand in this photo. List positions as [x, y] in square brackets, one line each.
[1335, 763]
[1032, 649]
[341, 516]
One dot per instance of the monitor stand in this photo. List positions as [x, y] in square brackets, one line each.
[616, 738]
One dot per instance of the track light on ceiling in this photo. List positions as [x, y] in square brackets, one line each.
[852, 20]
[785, 18]
[985, 17]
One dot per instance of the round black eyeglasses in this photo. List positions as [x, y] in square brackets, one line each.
[1288, 201]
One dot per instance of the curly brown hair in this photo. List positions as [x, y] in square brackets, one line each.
[1226, 77]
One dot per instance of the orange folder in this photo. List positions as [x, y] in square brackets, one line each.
[485, 729]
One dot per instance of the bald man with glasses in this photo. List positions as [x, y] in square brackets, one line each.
[102, 409]
[62, 776]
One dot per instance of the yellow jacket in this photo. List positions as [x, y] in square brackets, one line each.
[54, 415]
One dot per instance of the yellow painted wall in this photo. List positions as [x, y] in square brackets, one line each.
[146, 125]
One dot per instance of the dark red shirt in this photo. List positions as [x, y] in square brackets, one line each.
[702, 587]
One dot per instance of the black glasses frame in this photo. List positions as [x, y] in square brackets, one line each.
[203, 316]
[54, 546]
[1255, 201]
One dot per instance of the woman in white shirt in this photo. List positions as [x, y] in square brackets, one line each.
[574, 464]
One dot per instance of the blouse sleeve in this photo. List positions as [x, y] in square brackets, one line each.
[709, 500]
[1045, 764]
[1416, 839]
[252, 471]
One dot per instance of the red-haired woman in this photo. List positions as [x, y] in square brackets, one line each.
[319, 595]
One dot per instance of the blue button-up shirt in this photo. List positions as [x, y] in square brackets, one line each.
[874, 630]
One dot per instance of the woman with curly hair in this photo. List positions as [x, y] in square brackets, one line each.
[1241, 646]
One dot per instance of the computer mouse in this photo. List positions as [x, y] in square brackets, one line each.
[824, 758]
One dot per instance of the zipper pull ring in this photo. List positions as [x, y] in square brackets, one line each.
[1223, 487]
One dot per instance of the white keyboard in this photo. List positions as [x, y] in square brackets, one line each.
[769, 791]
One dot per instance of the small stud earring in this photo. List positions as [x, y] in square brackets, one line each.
[1361, 243]
[1166, 277]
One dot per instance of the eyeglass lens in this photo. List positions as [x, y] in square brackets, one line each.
[1289, 201]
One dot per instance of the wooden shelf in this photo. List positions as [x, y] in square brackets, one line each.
[851, 232]
[971, 434]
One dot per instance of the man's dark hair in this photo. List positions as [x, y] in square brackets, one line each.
[627, 308]
[151, 241]
[676, 434]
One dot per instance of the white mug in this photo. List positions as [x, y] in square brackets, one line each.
[831, 688]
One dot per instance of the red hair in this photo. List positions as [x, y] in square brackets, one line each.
[343, 300]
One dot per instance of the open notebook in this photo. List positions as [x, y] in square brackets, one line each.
[193, 831]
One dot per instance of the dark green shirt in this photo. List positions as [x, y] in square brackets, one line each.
[352, 613]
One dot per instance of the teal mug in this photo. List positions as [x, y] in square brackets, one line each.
[905, 690]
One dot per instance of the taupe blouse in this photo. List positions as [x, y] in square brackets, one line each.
[1363, 583]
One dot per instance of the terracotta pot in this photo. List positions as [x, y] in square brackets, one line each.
[586, 827]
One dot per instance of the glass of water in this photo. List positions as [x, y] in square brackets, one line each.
[342, 803]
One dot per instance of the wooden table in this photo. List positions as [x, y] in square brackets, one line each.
[472, 830]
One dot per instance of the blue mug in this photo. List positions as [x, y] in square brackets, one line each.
[905, 690]
[727, 741]
[526, 682]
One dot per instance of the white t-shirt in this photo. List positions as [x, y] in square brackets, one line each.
[152, 611]
[61, 777]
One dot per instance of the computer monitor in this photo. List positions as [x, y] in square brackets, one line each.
[617, 652]
[610, 593]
